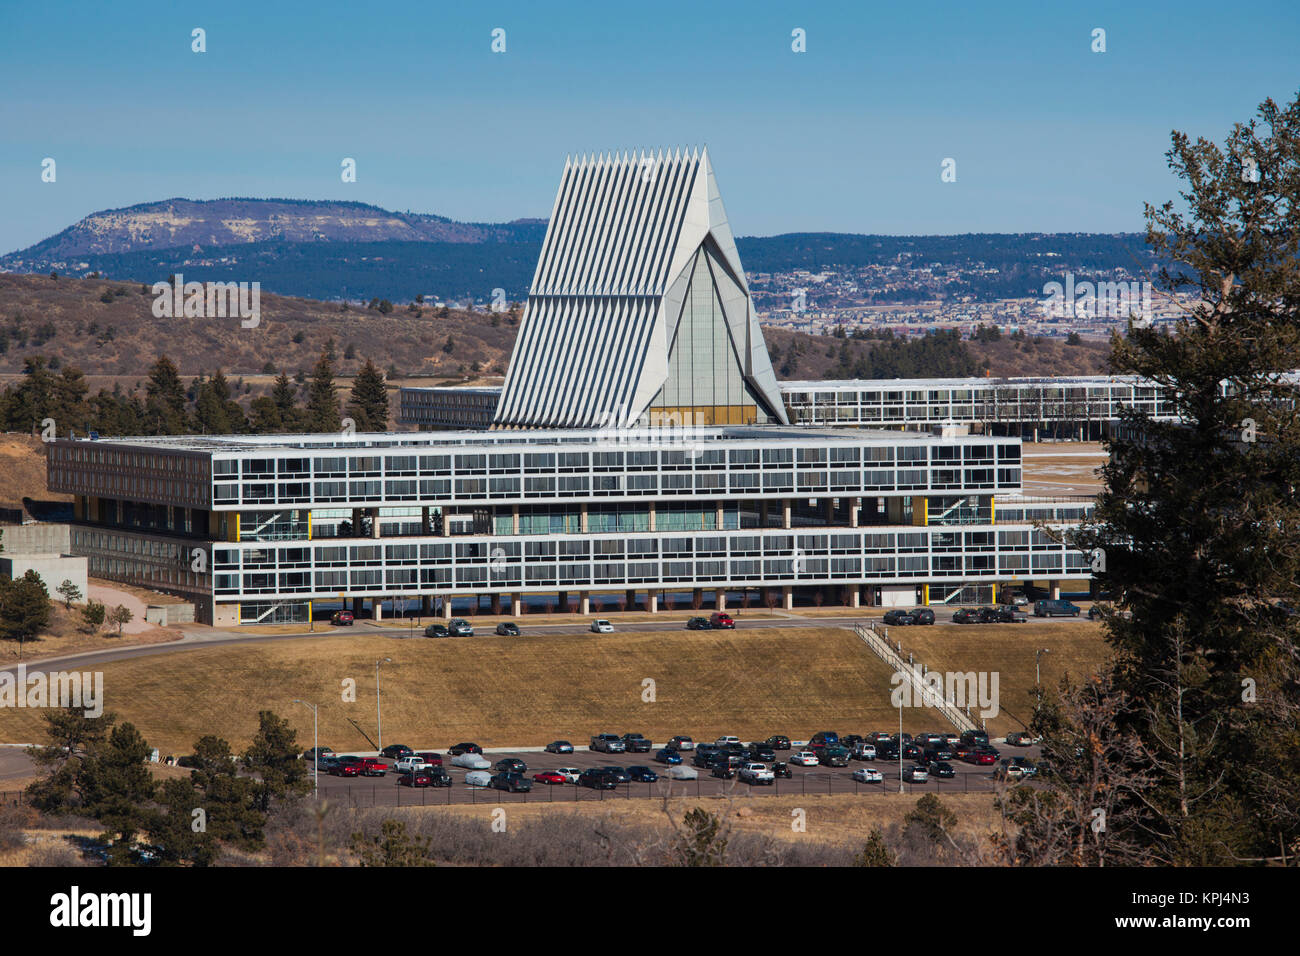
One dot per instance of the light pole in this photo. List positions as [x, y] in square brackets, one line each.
[379, 717]
[315, 733]
[1038, 680]
[900, 746]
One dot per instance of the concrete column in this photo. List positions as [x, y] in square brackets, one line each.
[562, 605]
[652, 516]
[514, 520]
[496, 604]
[718, 525]
[830, 510]
[652, 602]
[855, 596]
[785, 512]
[425, 520]
[374, 522]
[697, 596]
[446, 607]
[516, 605]
[425, 605]
[787, 597]
[582, 518]
[855, 505]
[630, 599]
[378, 605]
[584, 606]
[720, 599]
[446, 523]
[356, 521]
[1054, 589]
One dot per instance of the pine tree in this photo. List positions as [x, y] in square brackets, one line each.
[164, 399]
[368, 403]
[322, 398]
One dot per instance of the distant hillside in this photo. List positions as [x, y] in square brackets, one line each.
[343, 250]
[108, 329]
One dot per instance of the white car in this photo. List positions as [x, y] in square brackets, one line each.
[682, 772]
[601, 626]
[471, 761]
[805, 758]
[478, 778]
[756, 773]
[916, 774]
[868, 775]
[570, 774]
[410, 764]
[726, 741]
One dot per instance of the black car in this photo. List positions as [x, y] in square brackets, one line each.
[559, 747]
[723, 770]
[510, 765]
[465, 748]
[911, 752]
[597, 779]
[979, 738]
[849, 741]
[898, 618]
[699, 624]
[886, 751]
[437, 630]
[936, 753]
[759, 753]
[941, 768]
[326, 763]
[620, 774]
[636, 744]
[778, 742]
[642, 774]
[513, 782]
[967, 615]
[781, 769]
[396, 751]
[508, 629]
[922, 615]
[835, 756]
[1009, 614]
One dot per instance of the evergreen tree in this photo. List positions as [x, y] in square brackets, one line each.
[368, 404]
[322, 398]
[164, 411]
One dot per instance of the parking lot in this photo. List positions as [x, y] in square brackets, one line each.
[386, 792]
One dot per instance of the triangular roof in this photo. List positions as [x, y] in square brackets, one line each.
[593, 343]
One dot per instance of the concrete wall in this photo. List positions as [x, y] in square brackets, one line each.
[54, 569]
[165, 614]
[36, 539]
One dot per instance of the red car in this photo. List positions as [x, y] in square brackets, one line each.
[372, 767]
[342, 617]
[431, 758]
[417, 779]
[721, 619]
[548, 776]
[345, 767]
[984, 757]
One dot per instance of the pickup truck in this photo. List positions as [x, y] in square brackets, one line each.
[608, 743]
[410, 764]
[372, 767]
[756, 773]
[636, 744]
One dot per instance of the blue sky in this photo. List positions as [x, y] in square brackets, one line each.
[848, 137]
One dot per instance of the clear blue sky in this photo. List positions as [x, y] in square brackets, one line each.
[849, 136]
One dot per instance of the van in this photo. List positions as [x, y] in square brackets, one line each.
[825, 738]
[1056, 609]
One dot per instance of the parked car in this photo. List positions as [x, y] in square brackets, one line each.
[437, 777]
[346, 767]
[636, 744]
[620, 774]
[681, 742]
[373, 767]
[781, 769]
[922, 615]
[471, 761]
[941, 768]
[978, 737]
[597, 779]
[759, 753]
[915, 774]
[931, 754]
[640, 774]
[511, 782]
[459, 627]
[967, 615]
[478, 778]
[601, 626]
[724, 770]
[1056, 609]
[726, 741]
[832, 756]
[342, 618]
[805, 758]
[608, 743]
[570, 774]
[984, 757]
[1016, 598]
[864, 751]
[1009, 614]
[828, 738]
[466, 748]
[510, 765]
[756, 773]
[327, 764]
[418, 778]
[410, 764]
[778, 742]
[437, 630]
[899, 618]
[559, 747]
[683, 772]
[317, 754]
[396, 751]
[508, 629]
[721, 619]
[868, 775]
[1020, 739]
[668, 756]
[698, 624]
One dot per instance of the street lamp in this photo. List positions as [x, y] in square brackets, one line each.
[1038, 680]
[315, 733]
[379, 718]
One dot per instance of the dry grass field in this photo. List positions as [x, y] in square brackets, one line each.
[503, 691]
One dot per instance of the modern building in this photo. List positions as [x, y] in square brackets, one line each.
[44, 548]
[262, 529]
[1078, 407]
[640, 453]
